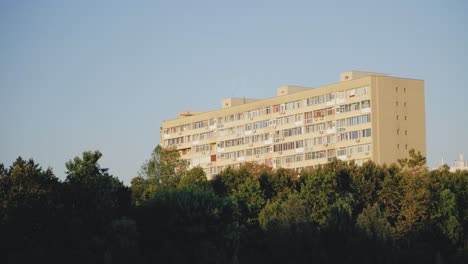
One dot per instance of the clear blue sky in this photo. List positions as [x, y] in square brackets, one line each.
[91, 75]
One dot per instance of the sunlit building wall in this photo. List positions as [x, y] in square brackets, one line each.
[365, 116]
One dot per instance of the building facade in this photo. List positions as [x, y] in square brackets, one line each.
[365, 116]
[460, 164]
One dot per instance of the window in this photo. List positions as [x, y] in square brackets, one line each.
[341, 152]
[406, 118]
[405, 104]
[396, 103]
[366, 132]
[365, 104]
[298, 117]
[397, 117]
[361, 91]
[276, 108]
[406, 132]
[398, 131]
[199, 124]
[308, 117]
[299, 144]
[396, 89]
[339, 95]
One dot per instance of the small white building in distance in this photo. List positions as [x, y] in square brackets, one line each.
[459, 164]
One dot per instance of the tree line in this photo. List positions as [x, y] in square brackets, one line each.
[336, 213]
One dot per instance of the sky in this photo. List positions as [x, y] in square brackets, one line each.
[103, 75]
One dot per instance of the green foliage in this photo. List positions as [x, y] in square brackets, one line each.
[373, 223]
[228, 181]
[139, 188]
[367, 181]
[391, 195]
[278, 184]
[282, 214]
[317, 190]
[123, 240]
[414, 205]
[243, 187]
[95, 196]
[29, 200]
[415, 160]
[195, 177]
[336, 213]
[251, 199]
[93, 199]
[189, 225]
[164, 168]
[446, 216]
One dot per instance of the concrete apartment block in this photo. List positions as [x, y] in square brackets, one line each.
[365, 116]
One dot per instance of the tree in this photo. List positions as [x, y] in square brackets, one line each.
[446, 218]
[195, 177]
[189, 225]
[30, 202]
[391, 194]
[139, 187]
[92, 190]
[458, 183]
[289, 236]
[278, 184]
[414, 206]
[367, 181]
[277, 213]
[251, 200]
[123, 240]
[228, 181]
[242, 186]
[373, 224]
[374, 240]
[165, 168]
[416, 159]
[94, 198]
[317, 190]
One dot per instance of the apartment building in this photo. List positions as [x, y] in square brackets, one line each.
[365, 116]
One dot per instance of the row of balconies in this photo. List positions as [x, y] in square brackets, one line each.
[294, 150]
[262, 156]
[266, 129]
[283, 112]
[268, 142]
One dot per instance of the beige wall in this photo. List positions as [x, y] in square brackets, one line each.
[398, 128]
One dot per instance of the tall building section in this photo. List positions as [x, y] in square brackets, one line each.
[365, 116]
